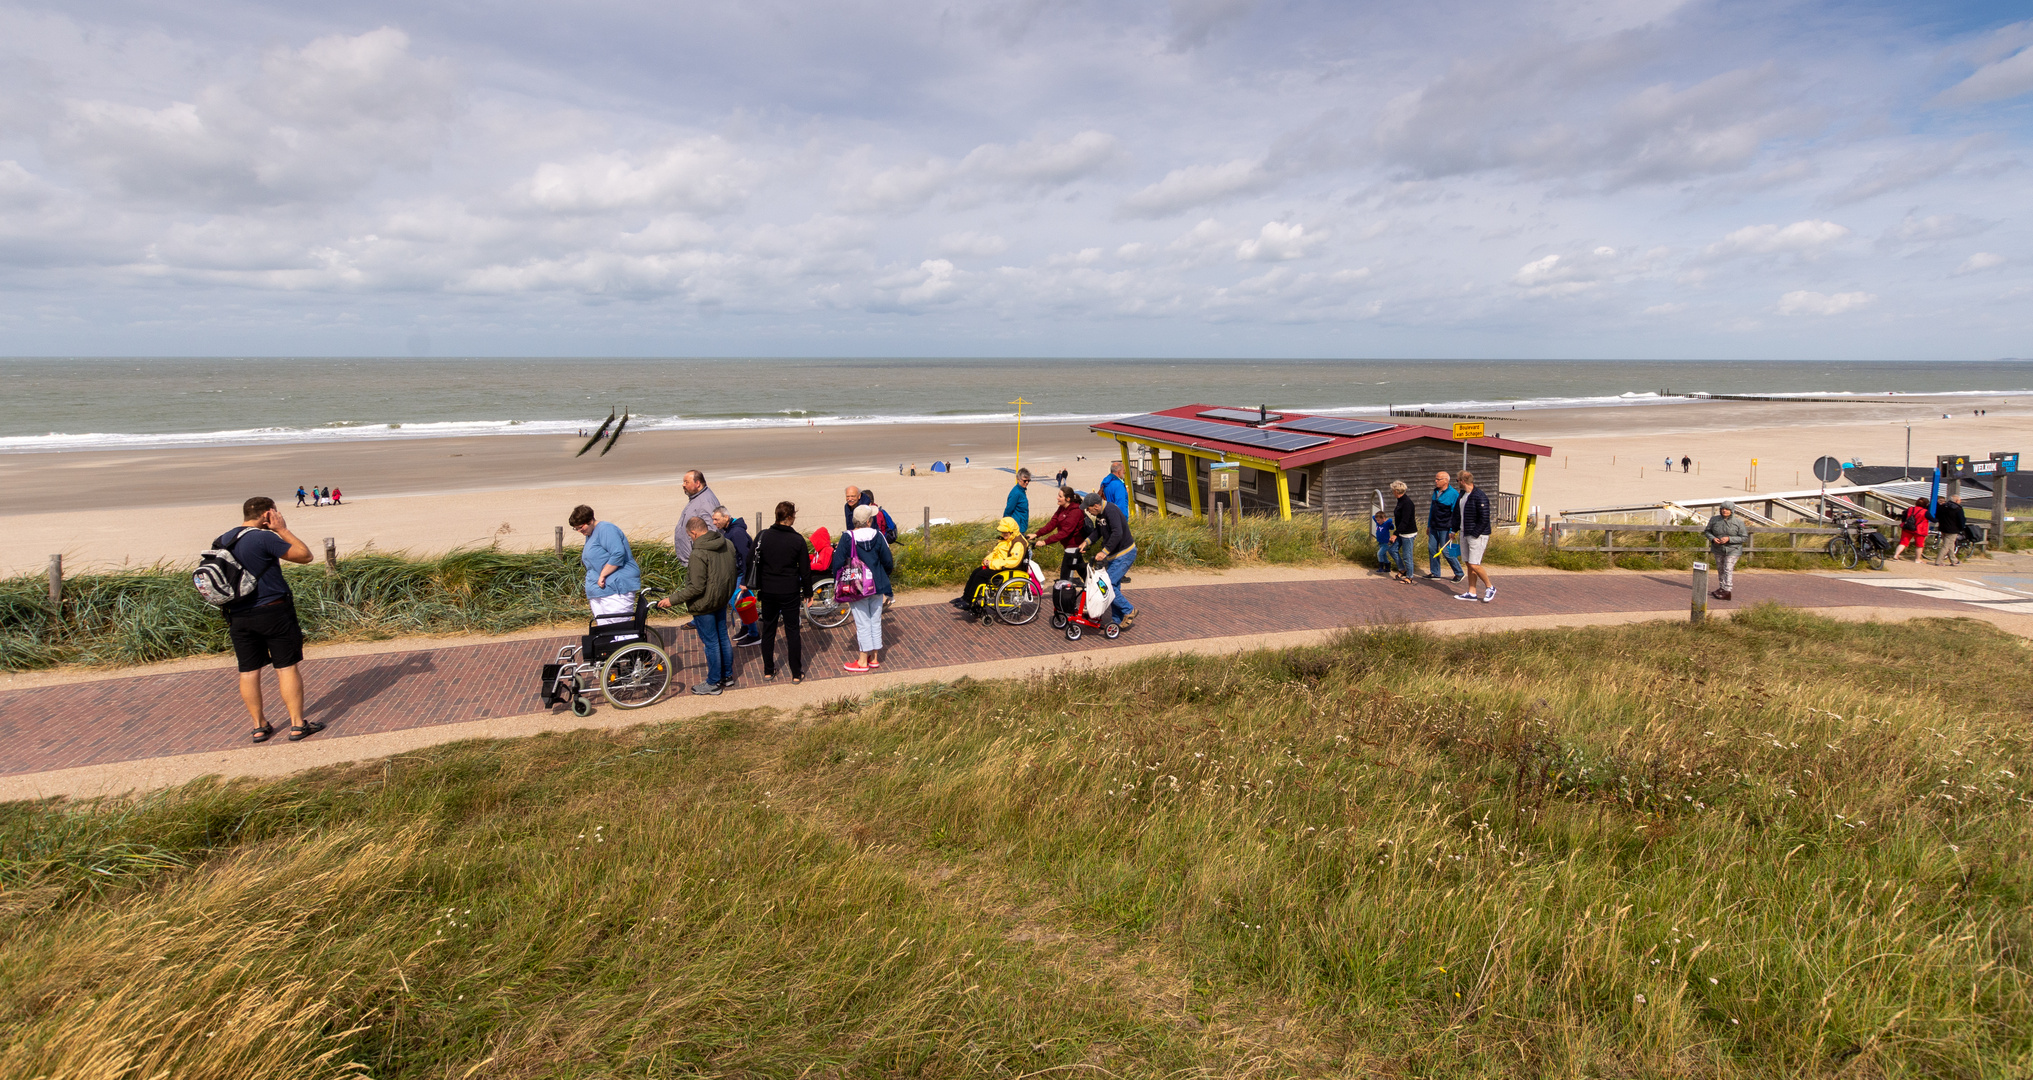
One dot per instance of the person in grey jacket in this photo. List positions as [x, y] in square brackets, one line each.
[710, 575]
[1726, 538]
[702, 502]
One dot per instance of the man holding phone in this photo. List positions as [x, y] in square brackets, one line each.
[263, 626]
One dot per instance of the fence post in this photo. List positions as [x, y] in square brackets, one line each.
[1325, 540]
[558, 542]
[1218, 516]
[331, 555]
[56, 582]
[1699, 608]
[928, 528]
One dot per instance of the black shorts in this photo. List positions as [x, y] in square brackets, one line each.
[266, 635]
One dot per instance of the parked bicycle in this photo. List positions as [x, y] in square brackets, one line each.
[1860, 542]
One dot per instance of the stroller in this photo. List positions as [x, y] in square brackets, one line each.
[1081, 602]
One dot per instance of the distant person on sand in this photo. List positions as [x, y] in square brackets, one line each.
[1686, 463]
[1113, 489]
[300, 494]
[336, 497]
[1442, 518]
[1477, 524]
[263, 626]
[1726, 535]
[709, 585]
[781, 578]
[1669, 464]
[1018, 505]
[1912, 530]
[612, 576]
[702, 502]
[1060, 480]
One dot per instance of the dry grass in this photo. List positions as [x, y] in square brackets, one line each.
[1773, 845]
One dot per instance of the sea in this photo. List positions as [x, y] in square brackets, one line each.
[89, 404]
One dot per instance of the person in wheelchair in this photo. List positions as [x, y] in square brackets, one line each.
[1008, 554]
[612, 576]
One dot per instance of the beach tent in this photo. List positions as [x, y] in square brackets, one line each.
[938, 466]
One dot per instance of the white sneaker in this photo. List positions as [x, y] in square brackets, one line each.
[1469, 595]
[1489, 594]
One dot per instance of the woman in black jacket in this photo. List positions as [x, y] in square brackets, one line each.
[1404, 529]
[781, 578]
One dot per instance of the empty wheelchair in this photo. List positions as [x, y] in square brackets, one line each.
[623, 658]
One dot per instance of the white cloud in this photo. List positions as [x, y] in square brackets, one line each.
[1804, 302]
[970, 243]
[1980, 262]
[1914, 230]
[1194, 21]
[1802, 238]
[1998, 81]
[934, 281]
[701, 175]
[1276, 242]
[1196, 185]
[1905, 170]
[1042, 163]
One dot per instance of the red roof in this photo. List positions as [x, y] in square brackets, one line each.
[1337, 446]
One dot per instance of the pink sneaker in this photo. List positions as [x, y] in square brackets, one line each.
[854, 667]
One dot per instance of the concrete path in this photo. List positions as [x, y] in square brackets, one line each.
[114, 734]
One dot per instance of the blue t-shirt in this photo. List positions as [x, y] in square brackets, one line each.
[260, 553]
[608, 546]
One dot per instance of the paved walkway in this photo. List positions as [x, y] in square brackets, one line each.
[107, 721]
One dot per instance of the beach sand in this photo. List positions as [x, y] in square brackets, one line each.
[109, 508]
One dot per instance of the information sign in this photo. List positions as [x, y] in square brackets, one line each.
[1468, 431]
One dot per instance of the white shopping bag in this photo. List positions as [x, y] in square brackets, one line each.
[1100, 593]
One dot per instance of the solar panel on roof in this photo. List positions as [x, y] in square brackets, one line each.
[1280, 441]
[1328, 425]
[1247, 416]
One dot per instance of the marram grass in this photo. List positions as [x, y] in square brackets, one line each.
[1774, 845]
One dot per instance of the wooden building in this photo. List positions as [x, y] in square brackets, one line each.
[1289, 462]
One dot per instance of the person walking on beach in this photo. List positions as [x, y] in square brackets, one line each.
[1476, 525]
[701, 504]
[1404, 528]
[1913, 530]
[1686, 463]
[612, 576]
[1113, 489]
[1068, 528]
[1950, 520]
[866, 542]
[1442, 519]
[1060, 480]
[300, 494]
[1018, 505]
[709, 585]
[263, 625]
[336, 496]
[1726, 535]
[781, 578]
[1115, 550]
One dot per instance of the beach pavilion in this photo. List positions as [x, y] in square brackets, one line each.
[1289, 461]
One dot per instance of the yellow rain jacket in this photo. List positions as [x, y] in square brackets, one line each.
[1010, 551]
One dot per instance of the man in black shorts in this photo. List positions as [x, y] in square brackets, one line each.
[263, 626]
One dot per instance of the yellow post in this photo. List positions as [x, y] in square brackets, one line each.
[1284, 495]
[1158, 481]
[1020, 403]
[1192, 481]
[1525, 497]
[1126, 474]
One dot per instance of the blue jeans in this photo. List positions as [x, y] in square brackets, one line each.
[1117, 567]
[1405, 562]
[1436, 549]
[719, 651]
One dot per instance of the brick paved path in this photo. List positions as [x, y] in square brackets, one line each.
[149, 716]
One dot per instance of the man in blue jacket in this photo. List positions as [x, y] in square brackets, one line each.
[1113, 489]
[1442, 521]
[1018, 505]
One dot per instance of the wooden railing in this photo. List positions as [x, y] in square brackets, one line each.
[1558, 532]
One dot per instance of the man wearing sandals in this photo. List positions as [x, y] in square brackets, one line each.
[263, 626]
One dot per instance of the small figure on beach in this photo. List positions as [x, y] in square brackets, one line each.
[1686, 463]
[301, 494]
[336, 497]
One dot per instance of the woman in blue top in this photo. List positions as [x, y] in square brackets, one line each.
[612, 577]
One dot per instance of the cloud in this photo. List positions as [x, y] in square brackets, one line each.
[1803, 302]
[1804, 239]
[1906, 170]
[1037, 165]
[1196, 185]
[1913, 231]
[318, 123]
[1276, 242]
[1995, 81]
[970, 243]
[1979, 262]
[700, 175]
[934, 281]
[1194, 21]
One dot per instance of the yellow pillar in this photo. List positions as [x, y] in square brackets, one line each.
[1192, 481]
[1126, 475]
[1158, 481]
[1284, 495]
[1525, 497]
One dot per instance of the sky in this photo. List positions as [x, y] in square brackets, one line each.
[1460, 178]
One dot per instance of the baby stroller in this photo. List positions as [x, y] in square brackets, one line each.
[1082, 601]
[623, 657]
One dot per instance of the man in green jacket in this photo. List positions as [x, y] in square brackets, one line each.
[709, 585]
[1726, 538]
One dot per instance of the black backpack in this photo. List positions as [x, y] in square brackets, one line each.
[219, 578]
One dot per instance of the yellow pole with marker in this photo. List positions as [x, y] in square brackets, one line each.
[1020, 403]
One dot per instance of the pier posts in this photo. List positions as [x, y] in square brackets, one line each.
[56, 582]
[331, 556]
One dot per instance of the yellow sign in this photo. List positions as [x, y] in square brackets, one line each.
[1468, 431]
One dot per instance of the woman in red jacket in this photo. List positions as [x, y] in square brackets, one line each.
[1067, 527]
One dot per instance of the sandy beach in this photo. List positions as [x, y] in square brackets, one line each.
[135, 507]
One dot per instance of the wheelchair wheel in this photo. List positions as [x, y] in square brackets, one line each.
[1843, 550]
[635, 675]
[826, 611]
[1015, 603]
[581, 707]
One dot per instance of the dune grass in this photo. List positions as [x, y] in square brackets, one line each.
[1770, 845]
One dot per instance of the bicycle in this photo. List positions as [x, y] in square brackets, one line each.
[1859, 541]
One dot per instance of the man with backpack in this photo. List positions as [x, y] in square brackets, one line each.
[261, 617]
